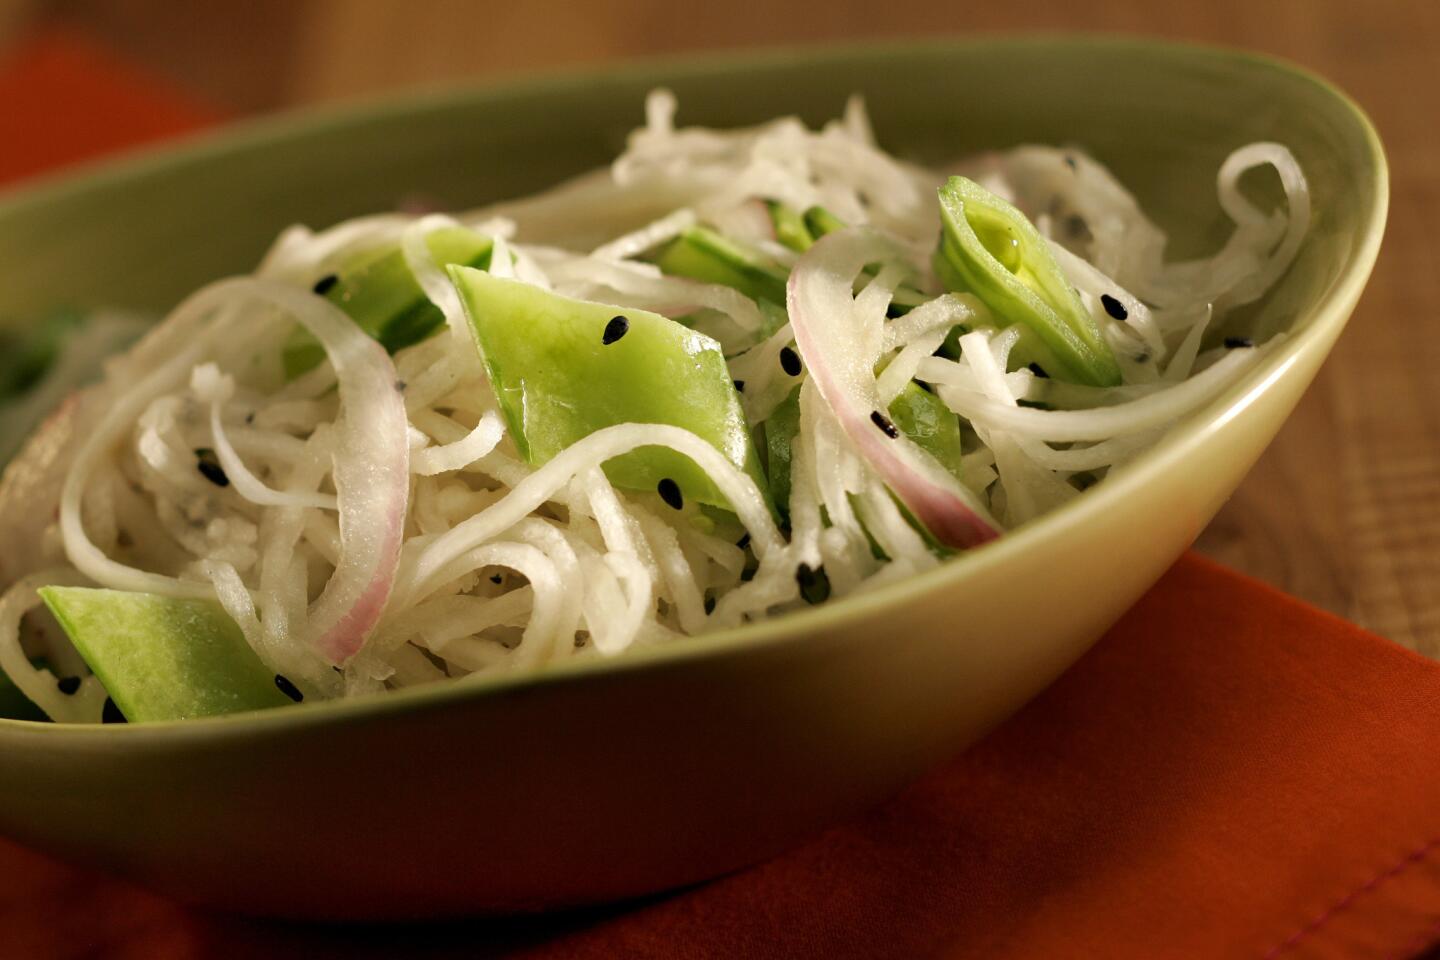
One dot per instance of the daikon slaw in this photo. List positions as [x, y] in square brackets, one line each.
[375, 516]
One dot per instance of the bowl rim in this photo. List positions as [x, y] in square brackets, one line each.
[1320, 326]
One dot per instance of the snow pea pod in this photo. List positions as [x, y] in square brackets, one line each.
[379, 293]
[701, 253]
[563, 368]
[165, 658]
[988, 248]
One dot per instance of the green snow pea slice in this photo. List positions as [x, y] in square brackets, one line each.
[380, 294]
[988, 248]
[163, 658]
[564, 368]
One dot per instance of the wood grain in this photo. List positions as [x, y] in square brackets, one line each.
[1343, 511]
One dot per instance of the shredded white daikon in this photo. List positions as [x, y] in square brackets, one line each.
[371, 522]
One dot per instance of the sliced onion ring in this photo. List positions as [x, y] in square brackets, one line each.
[840, 350]
[371, 472]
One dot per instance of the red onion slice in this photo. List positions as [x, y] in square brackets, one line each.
[840, 347]
[371, 470]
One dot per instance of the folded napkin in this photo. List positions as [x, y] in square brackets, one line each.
[63, 99]
[1228, 773]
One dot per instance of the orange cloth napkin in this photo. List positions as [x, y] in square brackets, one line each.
[1229, 773]
[63, 99]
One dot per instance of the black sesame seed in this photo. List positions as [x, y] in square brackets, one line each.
[1076, 226]
[1038, 370]
[814, 584]
[614, 330]
[1070, 162]
[400, 386]
[497, 578]
[209, 467]
[1114, 307]
[250, 418]
[111, 713]
[1235, 343]
[883, 422]
[790, 362]
[743, 542]
[68, 685]
[325, 284]
[284, 685]
[739, 385]
[669, 491]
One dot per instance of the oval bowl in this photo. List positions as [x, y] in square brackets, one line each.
[598, 781]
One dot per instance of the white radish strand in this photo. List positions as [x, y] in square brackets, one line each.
[1120, 420]
[530, 493]
[433, 280]
[647, 237]
[216, 388]
[193, 321]
[39, 684]
[474, 446]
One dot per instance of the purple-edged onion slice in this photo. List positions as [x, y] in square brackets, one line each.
[371, 470]
[840, 345]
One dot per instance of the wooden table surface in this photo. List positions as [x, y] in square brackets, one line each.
[1344, 510]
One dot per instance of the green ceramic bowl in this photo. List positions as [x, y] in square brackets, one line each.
[599, 781]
